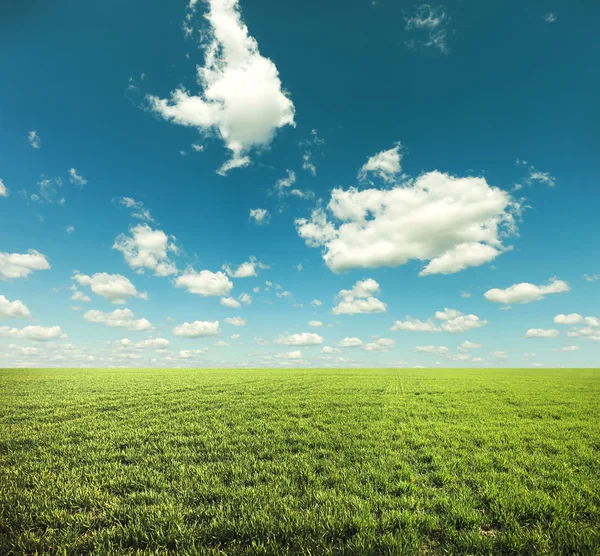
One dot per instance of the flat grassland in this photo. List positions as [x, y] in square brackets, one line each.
[295, 461]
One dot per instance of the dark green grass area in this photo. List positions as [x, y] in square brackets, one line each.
[402, 461]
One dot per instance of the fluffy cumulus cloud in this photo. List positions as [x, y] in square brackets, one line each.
[245, 270]
[451, 321]
[204, 283]
[360, 299]
[112, 287]
[526, 292]
[76, 178]
[260, 216]
[350, 342]
[119, 318]
[385, 165]
[465, 346]
[147, 249]
[241, 97]
[381, 344]
[315, 323]
[36, 333]
[541, 333]
[328, 349]
[301, 339]
[230, 302]
[34, 139]
[235, 321]
[13, 309]
[197, 329]
[454, 223]
[21, 265]
[3, 189]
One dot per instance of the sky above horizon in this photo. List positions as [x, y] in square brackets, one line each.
[264, 184]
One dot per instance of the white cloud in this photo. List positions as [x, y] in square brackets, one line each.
[34, 139]
[13, 309]
[591, 277]
[260, 216]
[499, 354]
[119, 318]
[221, 343]
[314, 143]
[359, 299]
[316, 303]
[245, 270]
[3, 189]
[241, 98]
[541, 333]
[453, 321]
[302, 339]
[567, 348]
[245, 298]
[315, 323]
[21, 265]
[327, 349]
[550, 17]
[465, 346]
[350, 342]
[197, 329]
[230, 302]
[385, 165]
[286, 182]
[284, 294]
[381, 344]
[465, 295]
[79, 296]
[290, 355]
[436, 350]
[526, 292]
[197, 148]
[147, 249]
[112, 287]
[137, 208]
[75, 178]
[36, 333]
[452, 222]
[204, 282]
[235, 321]
[434, 22]
[70, 229]
[572, 318]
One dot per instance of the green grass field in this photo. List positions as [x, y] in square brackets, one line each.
[293, 461]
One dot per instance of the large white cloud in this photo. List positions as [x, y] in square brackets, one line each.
[454, 223]
[204, 283]
[37, 333]
[112, 287]
[526, 292]
[302, 339]
[541, 333]
[119, 318]
[385, 165]
[452, 321]
[147, 249]
[21, 265]
[359, 299]
[241, 98]
[13, 309]
[197, 329]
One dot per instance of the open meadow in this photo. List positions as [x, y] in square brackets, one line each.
[296, 461]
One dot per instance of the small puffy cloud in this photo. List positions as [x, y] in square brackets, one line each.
[3, 189]
[70, 229]
[148, 249]
[591, 277]
[572, 318]
[359, 299]
[241, 98]
[112, 287]
[541, 333]
[433, 22]
[302, 339]
[245, 270]
[350, 342]
[550, 17]
[13, 309]
[221, 343]
[235, 321]
[79, 296]
[119, 318]
[315, 323]
[314, 143]
[499, 355]
[230, 302]
[235, 336]
[290, 355]
[287, 182]
[204, 283]
[567, 348]
[245, 298]
[136, 207]
[34, 139]
[454, 223]
[381, 344]
[197, 329]
[197, 148]
[316, 303]
[75, 178]
[452, 321]
[465, 346]
[384, 165]
[36, 333]
[260, 216]
[155, 344]
[465, 295]
[526, 292]
[21, 265]
[435, 350]
[328, 349]
[284, 294]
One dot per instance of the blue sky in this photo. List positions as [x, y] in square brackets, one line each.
[257, 183]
